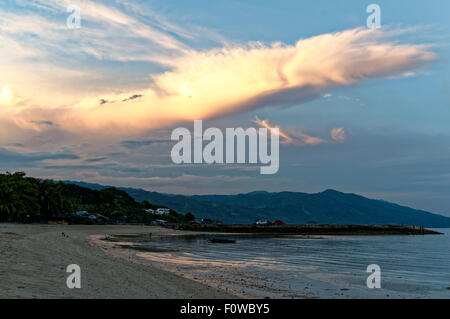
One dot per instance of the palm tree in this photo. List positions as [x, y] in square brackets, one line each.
[51, 199]
[18, 196]
[8, 202]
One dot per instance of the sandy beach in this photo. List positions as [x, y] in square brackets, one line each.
[34, 260]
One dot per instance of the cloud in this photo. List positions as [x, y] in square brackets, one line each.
[195, 84]
[136, 144]
[11, 157]
[53, 65]
[290, 136]
[176, 184]
[95, 16]
[219, 82]
[48, 123]
[95, 159]
[338, 134]
[134, 96]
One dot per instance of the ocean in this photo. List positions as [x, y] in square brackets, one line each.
[411, 266]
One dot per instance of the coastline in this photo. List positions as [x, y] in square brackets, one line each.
[249, 274]
[325, 229]
[35, 257]
[230, 280]
[114, 264]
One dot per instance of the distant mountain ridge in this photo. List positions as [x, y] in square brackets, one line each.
[327, 207]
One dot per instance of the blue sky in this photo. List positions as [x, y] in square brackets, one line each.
[395, 144]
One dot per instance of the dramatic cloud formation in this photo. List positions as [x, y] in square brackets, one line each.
[338, 134]
[52, 65]
[98, 103]
[214, 83]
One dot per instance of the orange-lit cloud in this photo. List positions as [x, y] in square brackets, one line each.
[214, 83]
[292, 137]
[338, 134]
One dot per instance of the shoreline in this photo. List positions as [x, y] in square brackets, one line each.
[35, 257]
[237, 283]
[288, 229]
[239, 277]
[115, 265]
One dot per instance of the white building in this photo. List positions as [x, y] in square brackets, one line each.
[163, 211]
[150, 211]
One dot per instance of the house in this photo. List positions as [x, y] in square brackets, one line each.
[278, 222]
[150, 211]
[163, 211]
[261, 222]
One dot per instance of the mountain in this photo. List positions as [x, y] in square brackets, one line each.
[327, 207]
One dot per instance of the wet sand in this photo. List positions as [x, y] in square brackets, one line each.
[331, 273]
[34, 259]
[228, 278]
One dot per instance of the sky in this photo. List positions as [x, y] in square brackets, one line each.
[359, 110]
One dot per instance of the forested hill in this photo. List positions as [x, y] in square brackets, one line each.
[27, 199]
[327, 207]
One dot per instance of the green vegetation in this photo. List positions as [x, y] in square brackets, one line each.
[26, 199]
[328, 207]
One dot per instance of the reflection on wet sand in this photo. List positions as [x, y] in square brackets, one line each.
[191, 259]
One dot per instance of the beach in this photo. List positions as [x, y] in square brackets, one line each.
[132, 261]
[34, 259]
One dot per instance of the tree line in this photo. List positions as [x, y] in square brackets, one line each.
[26, 199]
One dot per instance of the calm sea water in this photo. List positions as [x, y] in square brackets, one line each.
[317, 267]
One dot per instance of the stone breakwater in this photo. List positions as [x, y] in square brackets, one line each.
[308, 229]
